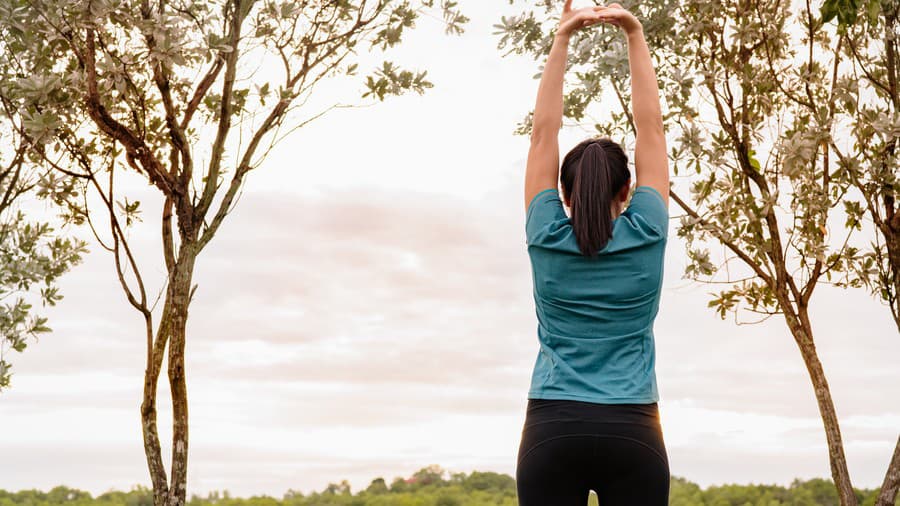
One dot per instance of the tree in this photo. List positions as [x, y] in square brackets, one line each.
[342, 488]
[870, 153]
[378, 486]
[432, 474]
[190, 95]
[399, 485]
[756, 91]
[486, 480]
[33, 254]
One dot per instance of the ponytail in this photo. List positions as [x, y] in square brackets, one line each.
[593, 173]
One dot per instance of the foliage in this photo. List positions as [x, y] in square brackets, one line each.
[870, 121]
[33, 254]
[457, 489]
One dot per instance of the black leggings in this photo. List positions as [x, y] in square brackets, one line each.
[570, 448]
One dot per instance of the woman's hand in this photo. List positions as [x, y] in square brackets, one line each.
[575, 19]
[614, 14]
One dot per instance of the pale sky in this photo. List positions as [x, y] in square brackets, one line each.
[367, 311]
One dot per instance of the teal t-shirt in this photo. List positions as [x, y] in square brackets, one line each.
[595, 315]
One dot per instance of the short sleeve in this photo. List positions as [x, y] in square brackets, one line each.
[545, 214]
[648, 211]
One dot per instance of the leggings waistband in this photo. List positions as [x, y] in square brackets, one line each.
[551, 410]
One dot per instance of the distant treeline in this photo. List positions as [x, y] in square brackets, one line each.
[434, 487]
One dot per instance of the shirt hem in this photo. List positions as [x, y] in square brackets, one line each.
[596, 399]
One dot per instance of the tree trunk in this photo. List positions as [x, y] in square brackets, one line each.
[171, 335]
[801, 329]
[152, 447]
[892, 242]
[181, 297]
[891, 484]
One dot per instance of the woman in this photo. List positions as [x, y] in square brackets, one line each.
[592, 421]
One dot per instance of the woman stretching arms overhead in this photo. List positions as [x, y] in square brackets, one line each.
[592, 421]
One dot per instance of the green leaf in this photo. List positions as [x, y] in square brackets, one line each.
[829, 10]
[753, 161]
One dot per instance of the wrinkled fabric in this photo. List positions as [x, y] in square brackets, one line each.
[595, 315]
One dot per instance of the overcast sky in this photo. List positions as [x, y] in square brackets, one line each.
[367, 311]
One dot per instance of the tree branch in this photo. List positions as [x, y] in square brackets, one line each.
[225, 112]
[767, 278]
[108, 125]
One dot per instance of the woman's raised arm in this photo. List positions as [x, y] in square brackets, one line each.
[650, 159]
[542, 170]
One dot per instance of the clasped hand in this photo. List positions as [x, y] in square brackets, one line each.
[613, 14]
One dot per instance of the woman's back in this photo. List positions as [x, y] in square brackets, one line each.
[595, 314]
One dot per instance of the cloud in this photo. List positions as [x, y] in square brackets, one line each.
[398, 296]
[373, 332]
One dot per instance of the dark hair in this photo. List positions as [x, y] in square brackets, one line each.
[592, 174]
